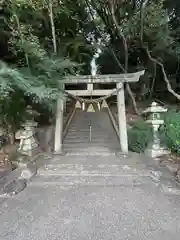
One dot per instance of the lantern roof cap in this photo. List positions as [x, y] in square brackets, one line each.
[31, 111]
[155, 108]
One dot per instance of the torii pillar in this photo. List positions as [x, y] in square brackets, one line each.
[58, 135]
[123, 138]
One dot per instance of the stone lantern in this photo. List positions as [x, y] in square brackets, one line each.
[153, 113]
[28, 144]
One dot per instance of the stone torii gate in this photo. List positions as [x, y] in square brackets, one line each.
[90, 80]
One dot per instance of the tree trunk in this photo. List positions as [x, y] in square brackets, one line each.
[53, 31]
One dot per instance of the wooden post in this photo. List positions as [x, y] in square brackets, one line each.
[90, 87]
[122, 118]
[58, 139]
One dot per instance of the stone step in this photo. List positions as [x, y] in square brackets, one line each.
[86, 141]
[82, 140]
[72, 134]
[120, 180]
[123, 160]
[86, 131]
[96, 147]
[94, 122]
[106, 160]
[107, 146]
[74, 153]
[95, 130]
[89, 145]
[86, 135]
[94, 164]
[82, 149]
[86, 125]
[90, 169]
[120, 159]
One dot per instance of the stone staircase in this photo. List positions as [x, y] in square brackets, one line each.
[88, 170]
[101, 139]
[92, 163]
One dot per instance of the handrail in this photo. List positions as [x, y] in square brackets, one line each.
[115, 125]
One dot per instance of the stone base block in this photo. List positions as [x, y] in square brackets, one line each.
[33, 152]
[28, 172]
[155, 153]
[61, 153]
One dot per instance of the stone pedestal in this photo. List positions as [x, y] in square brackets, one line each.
[155, 153]
[28, 144]
[155, 149]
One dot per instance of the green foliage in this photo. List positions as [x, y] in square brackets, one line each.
[26, 43]
[13, 110]
[41, 83]
[170, 133]
[36, 70]
[155, 26]
[139, 136]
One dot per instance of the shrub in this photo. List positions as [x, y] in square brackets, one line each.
[139, 136]
[170, 133]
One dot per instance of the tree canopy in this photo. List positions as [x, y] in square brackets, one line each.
[43, 40]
